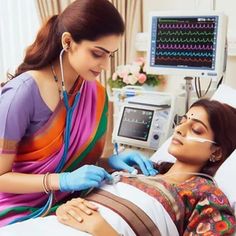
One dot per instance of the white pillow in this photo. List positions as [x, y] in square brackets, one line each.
[162, 153]
[225, 177]
[225, 94]
[226, 174]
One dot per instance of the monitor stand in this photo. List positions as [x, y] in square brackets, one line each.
[188, 88]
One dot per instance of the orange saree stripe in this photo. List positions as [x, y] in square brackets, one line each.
[51, 138]
[50, 141]
[91, 157]
[53, 129]
[100, 106]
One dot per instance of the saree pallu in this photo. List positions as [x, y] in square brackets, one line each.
[42, 152]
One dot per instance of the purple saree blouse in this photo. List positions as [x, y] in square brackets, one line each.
[22, 109]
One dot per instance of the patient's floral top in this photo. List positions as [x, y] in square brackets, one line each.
[196, 206]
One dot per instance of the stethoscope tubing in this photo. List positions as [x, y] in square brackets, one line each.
[69, 114]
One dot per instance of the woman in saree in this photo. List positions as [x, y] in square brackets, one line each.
[53, 113]
[186, 189]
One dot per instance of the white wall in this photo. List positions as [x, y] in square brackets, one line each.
[227, 6]
[183, 5]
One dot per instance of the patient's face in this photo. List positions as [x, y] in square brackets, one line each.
[195, 125]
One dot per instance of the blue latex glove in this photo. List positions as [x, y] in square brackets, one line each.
[126, 160]
[87, 176]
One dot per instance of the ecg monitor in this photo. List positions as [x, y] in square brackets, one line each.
[142, 125]
[136, 123]
[185, 43]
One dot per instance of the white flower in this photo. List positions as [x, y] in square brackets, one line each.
[140, 61]
[126, 79]
[134, 69]
[134, 73]
[132, 79]
[122, 70]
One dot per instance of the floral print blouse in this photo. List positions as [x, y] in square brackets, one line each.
[197, 206]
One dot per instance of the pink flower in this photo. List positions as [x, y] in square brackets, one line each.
[114, 76]
[140, 61]
[142, 78]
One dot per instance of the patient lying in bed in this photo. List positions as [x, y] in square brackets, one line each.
[157, 198]
[202, 141]
[181, 200]
[195, 206]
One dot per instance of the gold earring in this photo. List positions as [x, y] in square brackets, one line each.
[212, 158]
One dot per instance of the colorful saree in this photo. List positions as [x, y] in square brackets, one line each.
[41, 153]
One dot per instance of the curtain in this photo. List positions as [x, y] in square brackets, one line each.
[18, 27]
[47, 8]
[131, 12]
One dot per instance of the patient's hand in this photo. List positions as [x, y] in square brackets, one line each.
[68, 209]
[83, 215]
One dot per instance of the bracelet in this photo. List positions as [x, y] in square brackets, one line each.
[49, 183]
[45, 183]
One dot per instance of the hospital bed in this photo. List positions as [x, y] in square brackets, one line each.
[224, 177]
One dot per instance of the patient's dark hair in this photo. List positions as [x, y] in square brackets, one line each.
[222, 119]
[83, 19]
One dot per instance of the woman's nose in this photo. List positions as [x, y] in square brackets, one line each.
[179, 132]
[180, 129]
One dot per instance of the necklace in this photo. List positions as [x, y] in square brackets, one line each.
[56, 80]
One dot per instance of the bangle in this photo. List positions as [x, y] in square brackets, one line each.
[49, 183]
[45, 183]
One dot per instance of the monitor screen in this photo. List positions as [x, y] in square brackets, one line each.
[184, 42]
[135, 123]
[189, 44]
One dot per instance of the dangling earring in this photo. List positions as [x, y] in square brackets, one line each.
[212, 158]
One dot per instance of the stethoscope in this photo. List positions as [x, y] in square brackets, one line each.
[69, 113]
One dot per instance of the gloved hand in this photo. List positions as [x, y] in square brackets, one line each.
[125, 161]
[85, 177]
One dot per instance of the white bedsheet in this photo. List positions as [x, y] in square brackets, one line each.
[50, 225]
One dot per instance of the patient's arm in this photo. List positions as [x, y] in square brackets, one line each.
[75, 216]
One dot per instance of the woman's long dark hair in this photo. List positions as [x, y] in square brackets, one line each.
[83, 19]
[222, 119]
